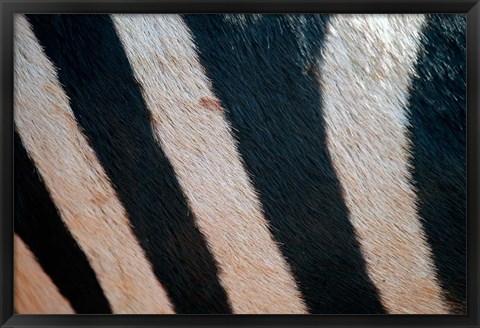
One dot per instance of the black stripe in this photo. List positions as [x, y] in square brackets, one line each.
[262, 70]
[438, 127]
[38, 223]
[108, 104]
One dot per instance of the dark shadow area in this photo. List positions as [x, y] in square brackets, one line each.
[38, 224]
[262, 70]
[438, 133]
[108, 104]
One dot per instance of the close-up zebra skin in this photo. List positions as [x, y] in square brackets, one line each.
[240, 164]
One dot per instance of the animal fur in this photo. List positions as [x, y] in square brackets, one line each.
[240, 163]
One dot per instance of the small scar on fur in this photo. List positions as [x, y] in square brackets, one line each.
[211, 104]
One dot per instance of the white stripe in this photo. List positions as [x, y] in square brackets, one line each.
[34, 291]
[365, 78]
[194, 133]
[78, 184]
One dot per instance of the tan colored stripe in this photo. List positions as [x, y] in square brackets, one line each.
[365, 79]
[34, 291]
[194, 133]
[78, 184]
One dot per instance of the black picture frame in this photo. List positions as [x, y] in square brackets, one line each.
[8, 8]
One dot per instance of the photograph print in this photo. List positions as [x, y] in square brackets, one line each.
[240, 164]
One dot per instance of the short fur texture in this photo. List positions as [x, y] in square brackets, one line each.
[79, 187]
[263, 73]
[39, 225]
[438, 151]
[35, 293]
[243, 163]
[190, 125]
[365, 95]
[96, 73]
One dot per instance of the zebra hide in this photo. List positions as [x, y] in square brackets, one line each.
[240, 164]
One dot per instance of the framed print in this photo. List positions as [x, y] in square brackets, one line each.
[253, 164]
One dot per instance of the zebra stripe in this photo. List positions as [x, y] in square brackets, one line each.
[35, 293]
[145, 181]
[439, 150]
[77, 183]
[282, 141]
[38, 224]
[370, 135]
[244, 163]
[190, 126]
